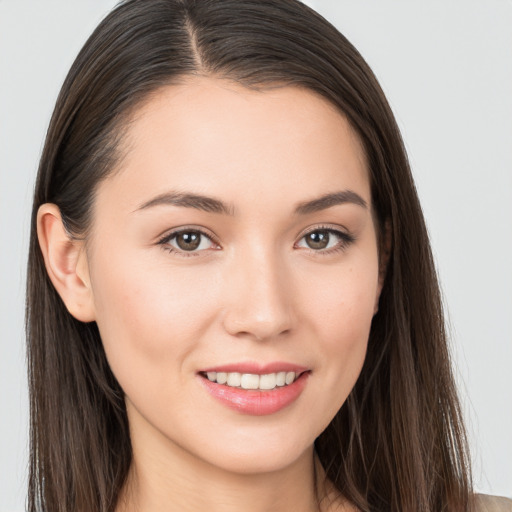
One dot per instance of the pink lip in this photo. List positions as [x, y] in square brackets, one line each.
[256, 402]
[257, 369]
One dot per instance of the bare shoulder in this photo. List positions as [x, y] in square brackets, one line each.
[488, 503]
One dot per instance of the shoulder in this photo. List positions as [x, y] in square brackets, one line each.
[487, 503]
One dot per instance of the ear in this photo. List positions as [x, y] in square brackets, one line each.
[66, 263]
[384, 255]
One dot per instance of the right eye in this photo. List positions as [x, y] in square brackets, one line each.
[186, 242]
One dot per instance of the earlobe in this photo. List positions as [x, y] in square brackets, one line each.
[384, 256]
[66, 263]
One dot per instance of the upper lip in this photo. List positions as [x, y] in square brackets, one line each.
[257, 368]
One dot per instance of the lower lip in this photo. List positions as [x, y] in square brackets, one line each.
[254, 402]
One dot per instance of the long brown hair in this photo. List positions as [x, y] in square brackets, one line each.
[398, 443]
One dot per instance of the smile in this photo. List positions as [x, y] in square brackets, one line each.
[253, 389]
[253, 381]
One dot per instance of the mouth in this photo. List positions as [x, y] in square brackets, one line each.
[255, 390]
[253, 381]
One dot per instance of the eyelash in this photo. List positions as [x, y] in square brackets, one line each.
[346, 240]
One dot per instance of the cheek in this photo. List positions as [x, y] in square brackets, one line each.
[344, 298]
[343, 311]
[149, 318]
[347, 330]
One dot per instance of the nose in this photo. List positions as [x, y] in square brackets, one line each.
[259, 297]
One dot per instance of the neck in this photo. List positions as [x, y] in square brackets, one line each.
[174, 480]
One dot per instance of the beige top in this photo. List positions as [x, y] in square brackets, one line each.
[487, 503]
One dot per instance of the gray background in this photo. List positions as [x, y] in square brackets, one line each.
[446, 67]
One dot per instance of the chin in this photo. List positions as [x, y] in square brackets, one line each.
[262, 461]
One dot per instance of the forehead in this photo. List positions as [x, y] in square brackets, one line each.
[217, 137]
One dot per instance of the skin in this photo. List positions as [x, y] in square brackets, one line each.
[256, 292]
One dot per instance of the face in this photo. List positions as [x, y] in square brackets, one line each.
[257, 282]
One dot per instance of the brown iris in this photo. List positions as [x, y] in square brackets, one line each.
[188, 240]
[318, 239]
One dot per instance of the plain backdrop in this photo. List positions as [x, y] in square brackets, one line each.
[446, 67]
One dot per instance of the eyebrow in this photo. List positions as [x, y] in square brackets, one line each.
[213, 205]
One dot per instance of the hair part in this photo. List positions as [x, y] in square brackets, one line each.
[398, 443]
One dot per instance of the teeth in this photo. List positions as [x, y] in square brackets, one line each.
[252, 381]
[234, 379]
[290, 377]
[268, 381]
[281, 379]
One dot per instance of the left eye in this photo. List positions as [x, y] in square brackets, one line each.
[322, 240]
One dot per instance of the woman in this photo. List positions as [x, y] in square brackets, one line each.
[231, 295]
